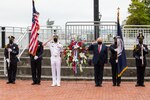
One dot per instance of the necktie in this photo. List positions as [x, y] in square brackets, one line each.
[99, 48]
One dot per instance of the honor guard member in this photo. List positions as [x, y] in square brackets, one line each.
[139, 52]
[11, 51]
[36, 63]
[114, 63]
[56, 50]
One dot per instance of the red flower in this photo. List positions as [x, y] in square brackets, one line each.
[65, 52]
[70, 59]
[79, 44]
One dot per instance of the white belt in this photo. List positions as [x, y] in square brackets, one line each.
[55, 56]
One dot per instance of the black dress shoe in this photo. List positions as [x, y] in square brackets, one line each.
[137, 85]
[114, 84]
[13, 82]
[38, 83]
[142, 85]
[8, 82]
[118, 84]
[33, 83]
[97, 85]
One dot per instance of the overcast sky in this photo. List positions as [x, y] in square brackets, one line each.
[19, 12]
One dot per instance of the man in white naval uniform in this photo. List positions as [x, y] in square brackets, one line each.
[56, 50]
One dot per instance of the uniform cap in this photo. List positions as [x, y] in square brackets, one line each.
[140, 36]
[11, 37]
[55, 35]
[115, 37]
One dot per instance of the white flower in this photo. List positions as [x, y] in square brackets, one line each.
[82, 55]
[75, 59]
[76, 46]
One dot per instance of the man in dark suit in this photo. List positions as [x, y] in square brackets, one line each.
[36, 63]
[139, 52]
[11, 51]
[114, 63]
[99, 59]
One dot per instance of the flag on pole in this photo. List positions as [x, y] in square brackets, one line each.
[34, 29]
[122, 64]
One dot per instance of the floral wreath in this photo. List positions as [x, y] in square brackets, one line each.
[76, 55]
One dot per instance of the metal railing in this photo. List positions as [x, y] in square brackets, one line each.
[22, 37]
[130, 33]
[79, 30]
[85, 30]
[45, 32]
[107, 30]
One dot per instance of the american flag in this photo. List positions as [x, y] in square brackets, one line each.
[34, 29]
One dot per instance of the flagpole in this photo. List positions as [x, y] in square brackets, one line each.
[116, 38]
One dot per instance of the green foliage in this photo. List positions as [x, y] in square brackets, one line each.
[138, 13]
[147, 3]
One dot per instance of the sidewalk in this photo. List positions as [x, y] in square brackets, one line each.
[72, 90]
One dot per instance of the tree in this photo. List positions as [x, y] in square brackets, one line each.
[147, 3]
[138, 13]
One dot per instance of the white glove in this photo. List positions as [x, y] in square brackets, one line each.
[35, 57]
[117, 61]
[141, 57]
[116, 49]
[7, 60]
[9, 50]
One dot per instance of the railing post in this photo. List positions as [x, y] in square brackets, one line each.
[3, 37]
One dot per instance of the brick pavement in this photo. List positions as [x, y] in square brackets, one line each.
[72, 90]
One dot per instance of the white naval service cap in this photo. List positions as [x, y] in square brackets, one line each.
[55, 35]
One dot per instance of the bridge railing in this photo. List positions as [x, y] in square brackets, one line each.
[85, 30]
[107, 30]
[82, 30]
[130, 33]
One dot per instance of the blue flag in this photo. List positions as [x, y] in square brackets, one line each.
[122, 63]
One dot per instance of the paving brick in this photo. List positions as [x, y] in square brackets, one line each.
[72, 90]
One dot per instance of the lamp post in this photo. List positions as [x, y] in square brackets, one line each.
[100, 16]
[96, 18]
[3, 34]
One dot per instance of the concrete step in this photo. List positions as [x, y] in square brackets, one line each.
[129, 53]
[1, 49]
[87, 71]
[46, 61]
[1, 62]
[46, 53]
[2, 54]
[1, 67]
[72, 78]
[25, 61]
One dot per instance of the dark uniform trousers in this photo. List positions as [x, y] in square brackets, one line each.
[116, 79]
[12, 68]
[36, 64]
[114, 65]
[139, 66]
[36, 70]
[140, 73]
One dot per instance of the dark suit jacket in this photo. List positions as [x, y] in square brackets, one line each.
[137, 54]
[13, 54]
[99, 57]
[113, 54]
[39, 52]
